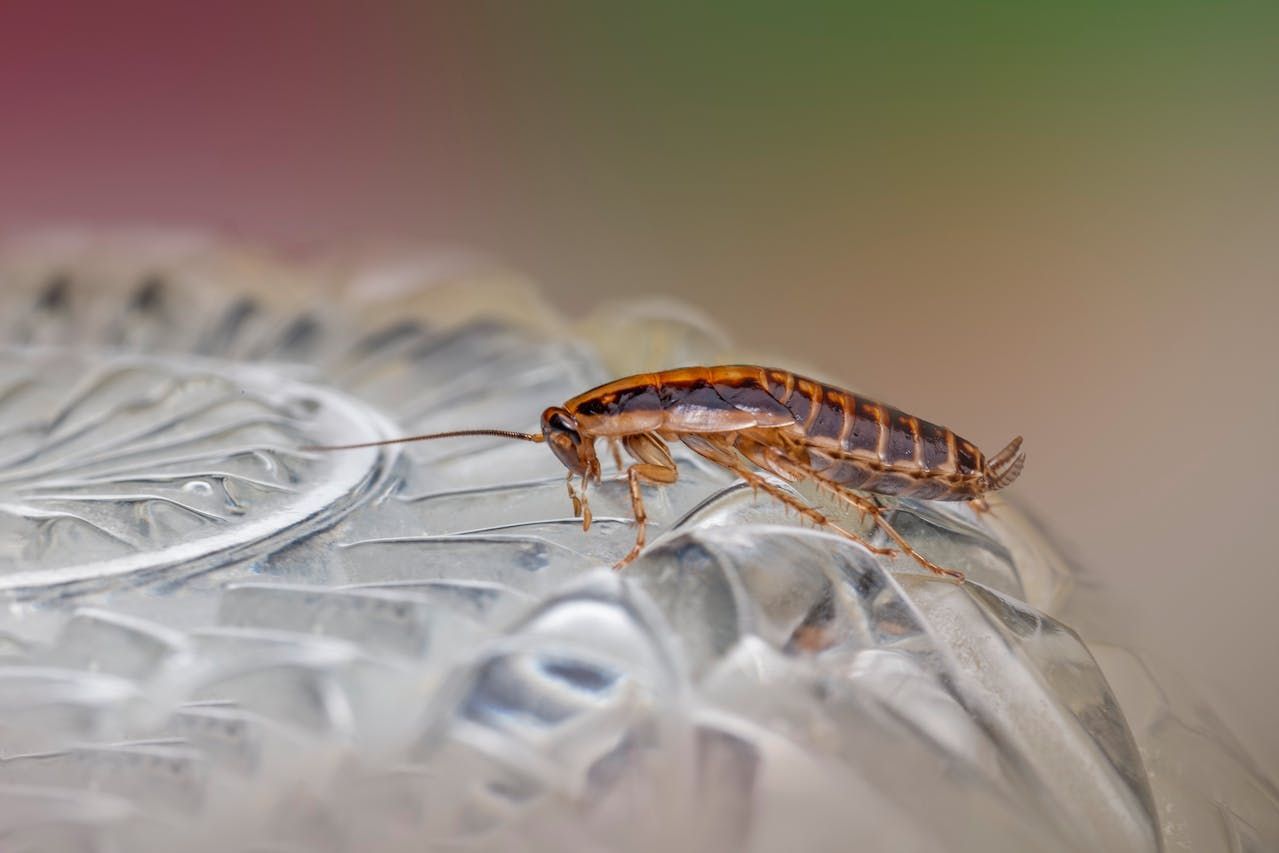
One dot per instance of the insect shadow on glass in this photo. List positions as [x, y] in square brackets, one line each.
[746, 419]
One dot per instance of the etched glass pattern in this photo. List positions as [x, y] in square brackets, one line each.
[216, 640]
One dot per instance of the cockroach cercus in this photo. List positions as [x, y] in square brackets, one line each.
[787, 425]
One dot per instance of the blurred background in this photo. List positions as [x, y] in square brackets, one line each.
[1056, 222]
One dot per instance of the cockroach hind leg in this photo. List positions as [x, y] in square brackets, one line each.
[874, 510]
[874, 549]
[953, 574]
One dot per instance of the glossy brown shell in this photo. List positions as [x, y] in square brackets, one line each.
[837, 436]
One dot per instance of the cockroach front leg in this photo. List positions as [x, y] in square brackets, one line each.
[656, 475]
[572, 496]
[581, 509]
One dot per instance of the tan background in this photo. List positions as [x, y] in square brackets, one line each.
[1061, 226]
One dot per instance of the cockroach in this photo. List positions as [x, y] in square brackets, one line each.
[796, 428]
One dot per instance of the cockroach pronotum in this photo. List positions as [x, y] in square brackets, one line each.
[787, 425]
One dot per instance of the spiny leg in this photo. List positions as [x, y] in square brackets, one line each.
[773, 459]
[616, 448]
[872, 509]
[724, 455]
[641, 472]
[777, 461]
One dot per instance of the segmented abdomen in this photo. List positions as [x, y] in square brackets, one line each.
[860, 443]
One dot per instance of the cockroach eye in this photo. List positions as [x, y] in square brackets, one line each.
[556, 423]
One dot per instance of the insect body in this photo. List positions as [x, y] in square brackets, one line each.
[790, 426]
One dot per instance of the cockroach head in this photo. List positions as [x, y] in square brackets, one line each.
[560, 430]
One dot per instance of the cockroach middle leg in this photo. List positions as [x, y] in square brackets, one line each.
[642, 472]
[869, 507]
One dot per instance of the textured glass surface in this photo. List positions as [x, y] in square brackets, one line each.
[215, 640]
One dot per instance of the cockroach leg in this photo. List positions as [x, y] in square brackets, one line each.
[871, 508]
[615, 446]
[807, 511]
[586, 506]
[572, 496]
[979, 505]
[641, 520]
[722, 453]
[656, 475]
[776, 462]
[581, 508]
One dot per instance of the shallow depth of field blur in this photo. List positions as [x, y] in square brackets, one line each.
[1055, 223]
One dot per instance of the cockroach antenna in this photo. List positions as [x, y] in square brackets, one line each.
[536, 438]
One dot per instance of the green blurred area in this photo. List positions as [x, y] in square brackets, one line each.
[738, 84]
[784, 129]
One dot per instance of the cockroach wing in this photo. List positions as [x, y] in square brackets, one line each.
[721, 407]
[756, 401]
[694, 399]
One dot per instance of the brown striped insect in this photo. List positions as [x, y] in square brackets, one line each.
[795, 428]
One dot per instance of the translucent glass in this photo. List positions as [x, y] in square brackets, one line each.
[215, 639]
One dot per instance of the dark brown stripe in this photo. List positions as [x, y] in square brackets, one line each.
[936, 450]
[829, 420]
[692, 394]
[634, 398]
[968, 457]
[750, 395]
[903, 431]
[805, 402]
[866, 429]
